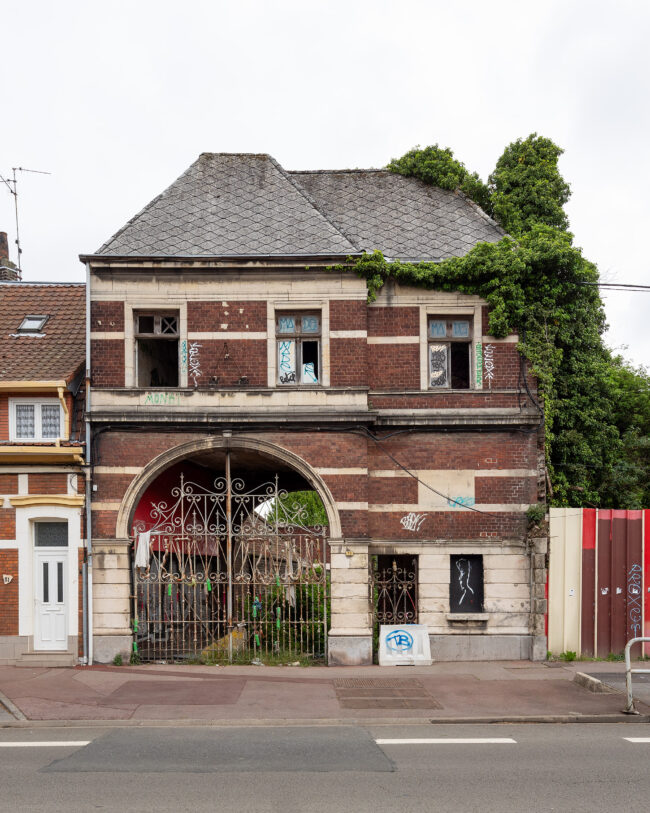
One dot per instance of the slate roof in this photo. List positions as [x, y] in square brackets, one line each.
[402, 217]
[229, 205]
[59, 350]
[247, 205]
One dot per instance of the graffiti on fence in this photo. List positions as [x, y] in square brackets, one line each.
[634, 595]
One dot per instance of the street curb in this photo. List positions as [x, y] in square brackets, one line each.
[12, 708]
[334, 721]
[592, 684]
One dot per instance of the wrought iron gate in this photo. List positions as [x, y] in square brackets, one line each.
[226, 573]
[394, 585]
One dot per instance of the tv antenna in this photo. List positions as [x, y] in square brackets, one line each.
[12, 186]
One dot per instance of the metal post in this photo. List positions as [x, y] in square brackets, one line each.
[629, 706]
[229, 552]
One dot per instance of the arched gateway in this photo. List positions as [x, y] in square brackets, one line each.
[227, 561]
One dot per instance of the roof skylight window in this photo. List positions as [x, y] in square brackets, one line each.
[32, 324]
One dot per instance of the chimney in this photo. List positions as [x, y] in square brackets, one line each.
[8, 270]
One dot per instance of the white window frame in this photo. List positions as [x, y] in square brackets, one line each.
[157, 314]
[280, 308]
[439, 310]
[37, 403]
[131, 309]
[448, 341]
[299, 338]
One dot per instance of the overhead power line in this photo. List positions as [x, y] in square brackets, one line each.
[617, 286]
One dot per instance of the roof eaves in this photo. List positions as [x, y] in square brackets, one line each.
[185, 258]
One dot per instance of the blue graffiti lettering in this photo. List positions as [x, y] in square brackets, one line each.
[399, 641]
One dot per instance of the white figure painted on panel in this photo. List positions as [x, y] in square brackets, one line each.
[464, 569]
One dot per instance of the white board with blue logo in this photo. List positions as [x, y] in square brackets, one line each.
[404, 645]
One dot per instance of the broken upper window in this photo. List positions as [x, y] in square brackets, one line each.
[298, 346]
[449, 348]
[156, 339]
[32, 324]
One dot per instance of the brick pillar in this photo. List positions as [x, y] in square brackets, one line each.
[111, 600]
[350, 636]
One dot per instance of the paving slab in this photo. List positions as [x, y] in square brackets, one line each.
[449, 691]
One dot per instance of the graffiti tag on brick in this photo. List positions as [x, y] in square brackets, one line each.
[412, 521]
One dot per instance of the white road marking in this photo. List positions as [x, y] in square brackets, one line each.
[51, 744]
[450, 741]
[637, 739]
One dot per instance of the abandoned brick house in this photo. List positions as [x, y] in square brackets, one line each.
[230, 369]
[42, 538]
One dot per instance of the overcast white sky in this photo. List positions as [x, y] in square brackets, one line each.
[116, 99]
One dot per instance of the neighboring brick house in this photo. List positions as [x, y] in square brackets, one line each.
[222, 347]
[42, 353]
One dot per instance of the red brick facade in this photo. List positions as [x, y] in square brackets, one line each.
[107, 317]
[7, 523]
[8, 484]
[394, 366]
[231, 360]
[48, 483]
[348, 362]
[9, 592]
[348, 314]
[107, 362]
[220, 316]
[401, 321]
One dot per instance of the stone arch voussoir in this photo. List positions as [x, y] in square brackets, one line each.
[184, 451]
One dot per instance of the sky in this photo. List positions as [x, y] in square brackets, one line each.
[117, 99]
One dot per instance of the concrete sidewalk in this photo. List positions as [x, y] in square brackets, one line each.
[444, 692]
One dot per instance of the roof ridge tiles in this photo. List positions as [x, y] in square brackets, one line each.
[22, 282]
[314, 203]
[336, 171]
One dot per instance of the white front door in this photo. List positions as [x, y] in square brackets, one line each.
[50, 629]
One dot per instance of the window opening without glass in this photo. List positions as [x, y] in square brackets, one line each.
[156, 337]
[298, 346]
[449, 347]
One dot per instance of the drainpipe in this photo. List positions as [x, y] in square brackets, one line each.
[88, 582]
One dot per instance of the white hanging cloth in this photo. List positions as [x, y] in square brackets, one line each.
[142, 549]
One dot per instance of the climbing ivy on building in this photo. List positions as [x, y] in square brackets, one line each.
[537, 283]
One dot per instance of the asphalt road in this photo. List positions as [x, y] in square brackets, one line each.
[577, 767]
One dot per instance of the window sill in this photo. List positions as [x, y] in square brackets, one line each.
[468, 619]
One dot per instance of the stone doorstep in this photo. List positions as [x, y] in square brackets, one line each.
[47, 659]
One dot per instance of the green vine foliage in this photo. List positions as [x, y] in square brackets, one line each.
[537, 283]
[437, 166]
